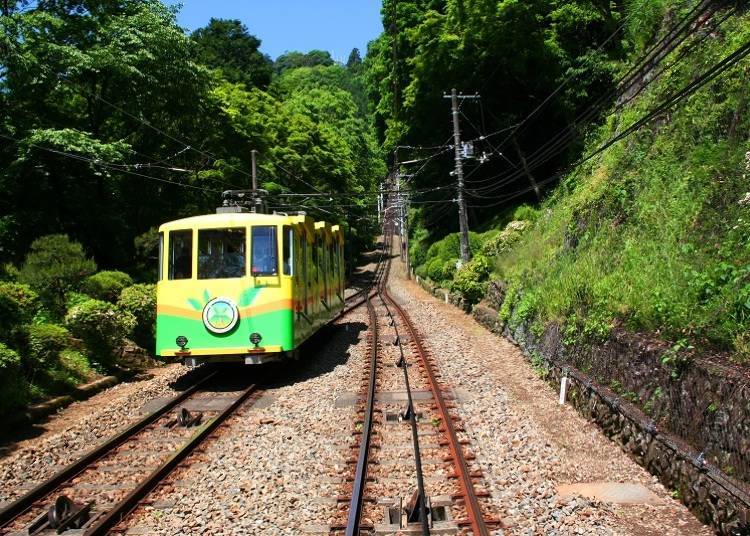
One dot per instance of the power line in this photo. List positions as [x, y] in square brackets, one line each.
[565, 137]
[108, 165]
[689, 89]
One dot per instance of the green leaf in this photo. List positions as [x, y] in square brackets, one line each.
[197, 305]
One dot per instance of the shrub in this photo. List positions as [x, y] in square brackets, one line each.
[8, 272]
[435, 269]
[471, 279]
[525, 213]
[18, 305]
[140, 301]
[75, 298]
[45, 342]
[449, 268]
[12, 391]
[467, 283]
[106, 285]
[102, 326]
[72, 368]
[53, 266]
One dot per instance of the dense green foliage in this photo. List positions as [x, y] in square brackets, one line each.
[514, 54]
[12, 391]
[651, 234]
[54, 266]
[140, 301]
[115, 121]
[46, 341]
[18, 305]
[102, 327]
[226, 45]
[106, 285]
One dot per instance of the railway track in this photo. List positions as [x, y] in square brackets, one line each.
[98, 491]
[465, 508]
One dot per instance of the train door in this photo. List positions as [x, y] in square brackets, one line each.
[305, 274]
[326, 270]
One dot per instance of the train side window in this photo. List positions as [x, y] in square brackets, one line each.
[221, 253]
[161, 256]
[288, 250]
[181, 254]
[264, 251]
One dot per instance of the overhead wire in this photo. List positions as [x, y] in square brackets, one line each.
[565, 137]
[729, 61]
[108, 165]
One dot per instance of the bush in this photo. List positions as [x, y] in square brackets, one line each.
[75, 298]
[471, 279]
[435, 269]
[72, 368]
[525, 213]
[54, 266]
[449, 268]
[102, 326]
[45, 342]
[8, 272]
[18, 305]
[12, 391]
[106, 285]
[140, 301]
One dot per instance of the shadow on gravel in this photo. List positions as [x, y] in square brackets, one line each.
[325, 351]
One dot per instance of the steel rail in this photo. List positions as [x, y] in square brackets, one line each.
[107, 521]
[368, 290]
[23, 503]
[360, 475]
[476, 518]
[404, 364]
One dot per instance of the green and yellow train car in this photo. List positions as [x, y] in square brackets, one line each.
[245, 287]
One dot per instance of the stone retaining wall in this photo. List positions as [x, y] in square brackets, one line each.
[715, 414]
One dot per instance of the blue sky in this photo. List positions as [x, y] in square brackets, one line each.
[333, 25]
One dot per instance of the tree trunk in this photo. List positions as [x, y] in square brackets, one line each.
[526, 170]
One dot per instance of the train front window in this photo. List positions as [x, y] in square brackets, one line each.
[181, 254]
[221, 253]
[264, 254]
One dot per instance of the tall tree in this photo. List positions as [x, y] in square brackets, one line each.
[227, 45]
[354, 63]
[294, 59]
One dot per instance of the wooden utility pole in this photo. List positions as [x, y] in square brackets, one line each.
[463, 222]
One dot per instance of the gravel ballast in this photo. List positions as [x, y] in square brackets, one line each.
[526, 443]
[277, 465]
[78, 428]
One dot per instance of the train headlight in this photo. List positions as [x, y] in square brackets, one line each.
[255, 338]
[181, 341]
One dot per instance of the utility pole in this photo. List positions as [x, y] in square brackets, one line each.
[253, 155]
[463, 222]
[406, 235]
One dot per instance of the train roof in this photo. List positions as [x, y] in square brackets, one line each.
[230, 219]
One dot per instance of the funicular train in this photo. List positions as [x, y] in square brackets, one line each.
[245, 287]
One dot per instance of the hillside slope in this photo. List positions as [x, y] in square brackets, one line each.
[653, 232]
